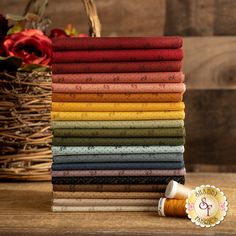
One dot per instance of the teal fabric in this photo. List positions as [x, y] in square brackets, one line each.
[119, 158]
[70, 150]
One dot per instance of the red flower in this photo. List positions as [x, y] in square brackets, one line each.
[83, 35]
[57, 33]
[30, 45]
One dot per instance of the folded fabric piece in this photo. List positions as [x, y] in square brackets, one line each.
[154, 132]
[137, 124]
[119, 88]
[100, 190]
[78, 141]
[118, 166]
[118, 180]
[111, 67]
[88, 43]
[145, 172]
[158, 115]
[104, 202]
[117, 55]
[103, 208]
[66, 150]
[145, 157]
[96, 78]
[94, 106]
[118, 122]
[117, 97]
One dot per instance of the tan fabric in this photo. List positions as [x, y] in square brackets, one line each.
[111, 195]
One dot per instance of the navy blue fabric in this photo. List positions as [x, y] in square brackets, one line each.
[118, 166]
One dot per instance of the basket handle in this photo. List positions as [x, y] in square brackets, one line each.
[94, 22]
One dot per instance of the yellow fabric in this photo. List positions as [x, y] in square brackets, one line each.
[160, 115]
[93, 106]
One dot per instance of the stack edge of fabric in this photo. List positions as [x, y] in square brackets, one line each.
[118, 122]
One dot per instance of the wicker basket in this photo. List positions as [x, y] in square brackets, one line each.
[25, 132]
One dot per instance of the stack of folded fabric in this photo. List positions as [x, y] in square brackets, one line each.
[117, 118]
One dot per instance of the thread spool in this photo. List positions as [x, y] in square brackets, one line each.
[172, 207]
[176, 190]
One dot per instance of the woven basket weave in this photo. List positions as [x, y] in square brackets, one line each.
[25, 132]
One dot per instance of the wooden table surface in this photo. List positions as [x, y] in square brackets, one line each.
[25, 209]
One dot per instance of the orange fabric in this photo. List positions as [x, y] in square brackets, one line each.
[122, 97]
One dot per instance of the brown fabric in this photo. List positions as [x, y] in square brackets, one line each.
[109, 188]
[111, 195]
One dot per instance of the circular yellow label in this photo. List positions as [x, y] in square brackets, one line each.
[206, 206]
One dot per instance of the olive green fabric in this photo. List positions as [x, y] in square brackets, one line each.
[58, 141]
[133, 124]
[161, 132]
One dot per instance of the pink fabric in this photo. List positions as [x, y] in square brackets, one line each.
[112, 67]
[142, 77]
[119, 88]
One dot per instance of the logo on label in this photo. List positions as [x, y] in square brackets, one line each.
[206, 206]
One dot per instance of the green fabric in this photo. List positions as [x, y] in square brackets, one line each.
[161, 132]
[117, 124]
[57, 141]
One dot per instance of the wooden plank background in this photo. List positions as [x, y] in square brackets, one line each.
[209, 64]
[200, 17]
[139, 17]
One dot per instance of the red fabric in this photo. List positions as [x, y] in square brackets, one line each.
[103, 67]
[61, 44]
[119, 88]
[118, 55]
[146, 77]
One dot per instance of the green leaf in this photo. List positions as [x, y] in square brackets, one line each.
[10, 63]
[18, 27]
[40, 7]
[70, 30]
[35, 67]
[15, 17]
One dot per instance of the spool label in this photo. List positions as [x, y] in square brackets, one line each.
[206, 206]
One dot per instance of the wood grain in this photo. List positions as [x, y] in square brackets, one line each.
[225, 17]
[210, 62]
[200, 17]
[189, 17]
[209, 65]
[210, 128]
[33, 216]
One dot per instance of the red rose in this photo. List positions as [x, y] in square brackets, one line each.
[30, 45]
[83, 35]
[58, 33]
